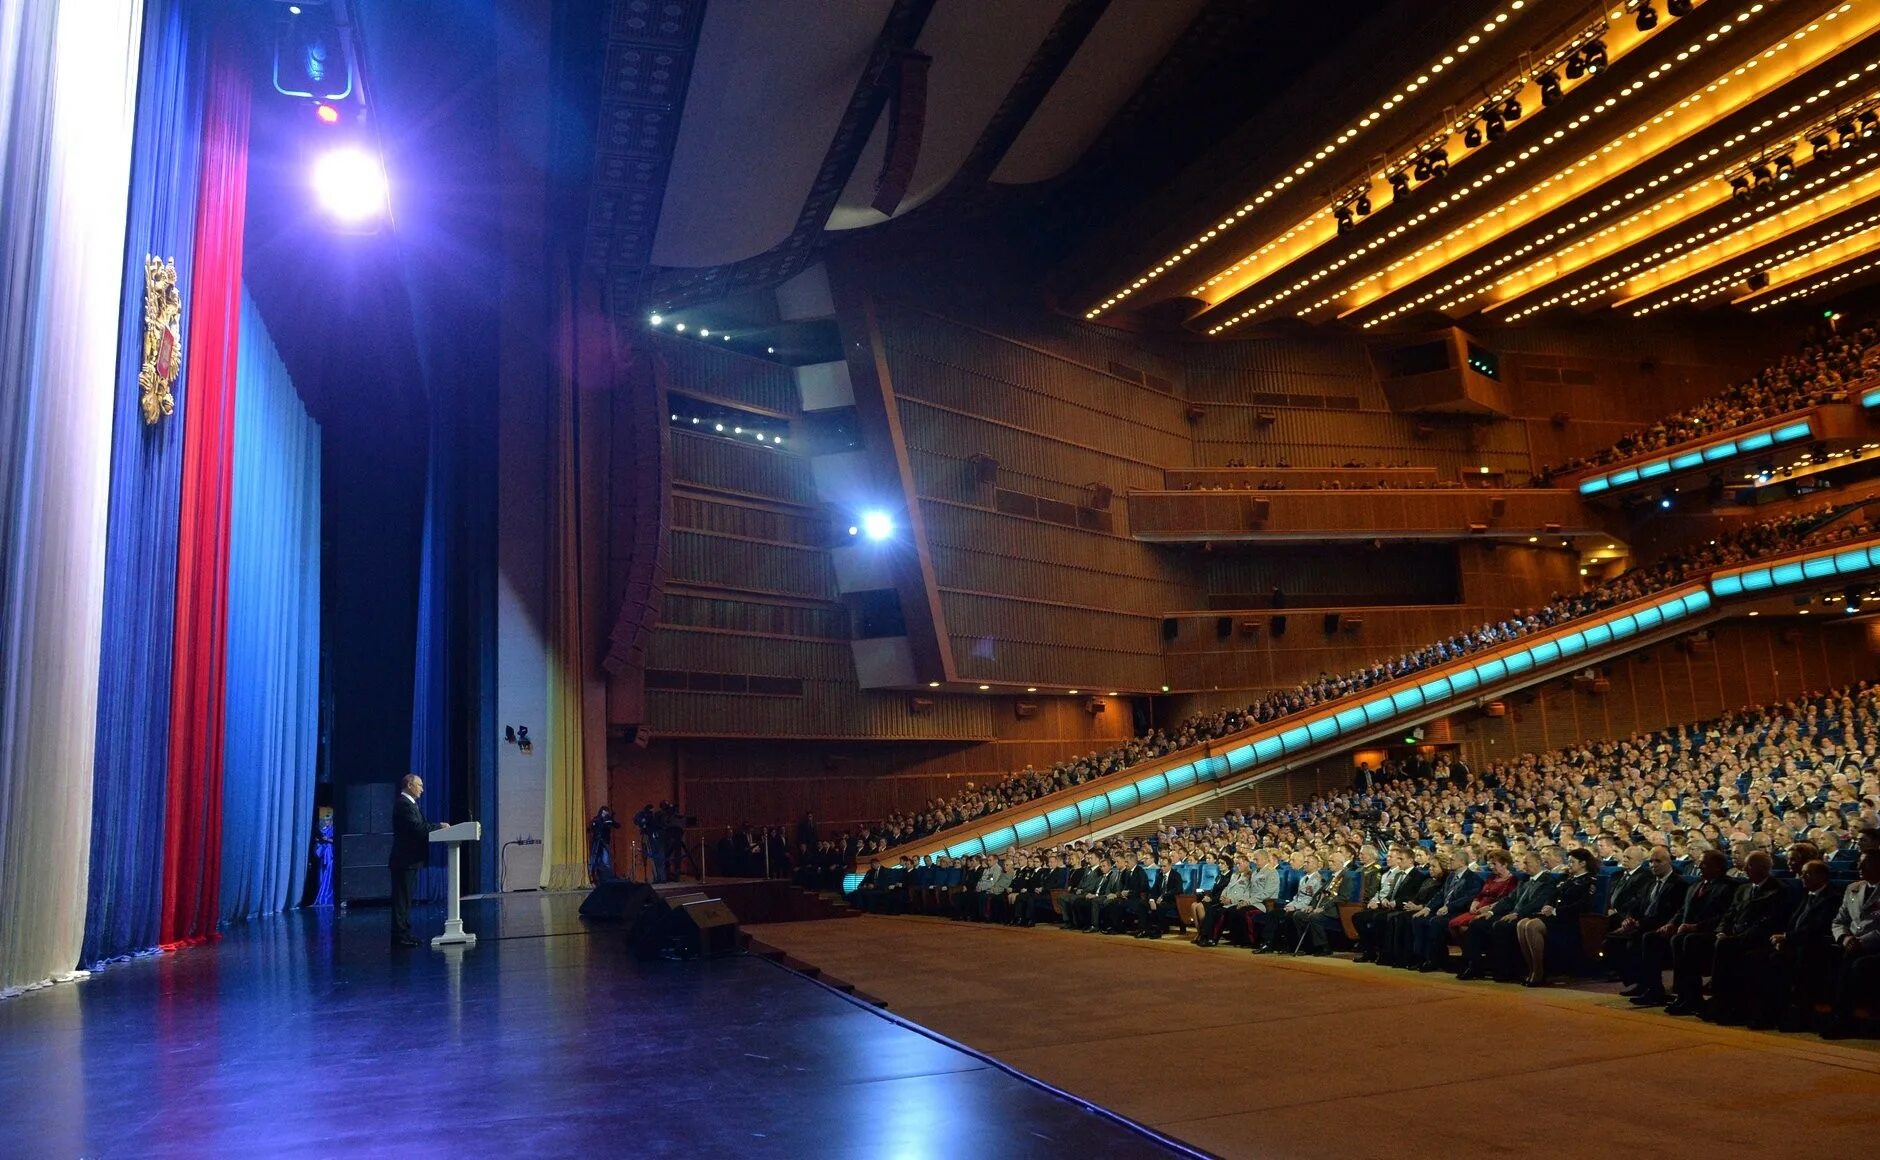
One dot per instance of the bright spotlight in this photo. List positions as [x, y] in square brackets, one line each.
[877, 525]
[350, 184]
[656, 319]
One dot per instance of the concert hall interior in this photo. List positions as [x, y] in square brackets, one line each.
[906, 577]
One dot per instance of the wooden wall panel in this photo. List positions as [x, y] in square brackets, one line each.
[1395, 574]
[706, 371]
[707, 461]
[1301, 514]
[750, 521]
[752, 566]
[1516, 576]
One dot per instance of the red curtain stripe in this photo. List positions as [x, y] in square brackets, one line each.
[192, 863]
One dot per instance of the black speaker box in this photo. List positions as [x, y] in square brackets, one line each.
[1223, 626]
[1331, 623]
[364, 867]
[1171, 628]
[618, 899]
[1279, 626]
[708, 929]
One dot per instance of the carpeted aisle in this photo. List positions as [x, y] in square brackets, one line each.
[1322, 1057]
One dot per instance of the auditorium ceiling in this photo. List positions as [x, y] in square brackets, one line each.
[1550, 156]
[1221, 165]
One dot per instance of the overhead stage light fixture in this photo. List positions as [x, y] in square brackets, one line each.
[1472, 136]
[1550, 87]
[1679, 8]
[349, 184]
[1647, 18]
[1362, 205]
[877, 525]
[1785, 167]
[1595, 57]
[1399, 185]
[1576, 66]
[1511, 109]
[1740, 188]
[1345, 224]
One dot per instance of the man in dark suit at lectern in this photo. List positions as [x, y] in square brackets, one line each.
[411, 848]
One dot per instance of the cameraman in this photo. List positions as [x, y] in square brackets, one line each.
[601, 845]
[652, 833]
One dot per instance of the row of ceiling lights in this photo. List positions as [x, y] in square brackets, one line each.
[1765, 172]
[1707, 102]
[1711, 287]
[1344, 138]
[1443, 244]
[1693, 206]
[1710, 101]
[1583, 55]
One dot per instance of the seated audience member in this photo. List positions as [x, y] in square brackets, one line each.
[1055, 881]
[1120, 912]
[1231, 906]
[1559, 920]
[1102, 906]
[991, 890]
[1856, 932]
[1083, 887]
[1684, 944]
[1426, 882]
[1298, 919]
[1429, 932]
[1499, 955]
[1206, 891]
[1161, 907]
[1631, 876]
[1785, 984]
[1370, 922]
[1262, 916]
[1759, 912]
[1499, 884]
[1646, 913]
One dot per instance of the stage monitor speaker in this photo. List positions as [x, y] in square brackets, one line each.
[365, 867]
[617, 900]
[707, 929]
[684, 926]
[1279, 626]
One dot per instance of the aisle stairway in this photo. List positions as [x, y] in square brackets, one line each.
[1207, 772]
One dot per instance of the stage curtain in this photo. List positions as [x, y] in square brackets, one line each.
[273, 635]
[192, 857]
[68, 87]
[430, 694]
[125, 901]
[564, 856]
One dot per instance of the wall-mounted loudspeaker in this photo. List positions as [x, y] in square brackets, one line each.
[919, 706]
[1095, 705]
[1279, 626]
[1171, 628]
[1497, 507]
[1331, 623]
[1100, 494]
[1024, 710]
[985, 468]
[1224, 626]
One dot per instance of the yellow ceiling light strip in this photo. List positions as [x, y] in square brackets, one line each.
[1396, 100]
[1655, 219]
[1322, 226]
[1620, 201]
[1465, 281]
[1773, 67]
[1702, 242]
[1788, 276]
[1862, 189]
[1722, 283]
[1552, 139]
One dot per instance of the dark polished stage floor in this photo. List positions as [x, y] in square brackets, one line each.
[303, 1035]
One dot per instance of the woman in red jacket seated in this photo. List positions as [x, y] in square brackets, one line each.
[1501, 883]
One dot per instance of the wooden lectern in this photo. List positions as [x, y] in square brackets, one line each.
[454, 837]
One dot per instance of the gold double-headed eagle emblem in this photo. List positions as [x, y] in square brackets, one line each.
[163, 339]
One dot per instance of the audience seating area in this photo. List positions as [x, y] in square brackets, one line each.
[1770, 537]
[1821, 372]
[1728, 869]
